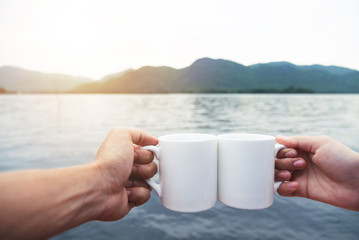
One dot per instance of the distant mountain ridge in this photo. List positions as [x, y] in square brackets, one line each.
[208, 75]
[330, 69]
[205, 75]
[119, 74]
[21, 80]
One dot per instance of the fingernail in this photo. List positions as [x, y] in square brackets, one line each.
[291, 154]
[292, 185]
[129, 183]
[128, 193]
[282, 174]
[135, 154]
[298, 163]
[134, 169]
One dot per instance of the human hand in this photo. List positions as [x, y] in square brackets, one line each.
[122, 167]
[323, 170]
[105, 189]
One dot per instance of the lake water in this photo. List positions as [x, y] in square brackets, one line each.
[46, 131]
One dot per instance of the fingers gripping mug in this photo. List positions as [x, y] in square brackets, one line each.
[246, 170]
[187, 171]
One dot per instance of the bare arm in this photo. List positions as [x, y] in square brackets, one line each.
[41, 203]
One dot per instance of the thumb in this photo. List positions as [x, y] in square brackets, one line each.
[305, 143]
[141, 137]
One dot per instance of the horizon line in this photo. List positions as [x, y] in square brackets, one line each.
[130, 68]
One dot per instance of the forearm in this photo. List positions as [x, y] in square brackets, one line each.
[41, 203]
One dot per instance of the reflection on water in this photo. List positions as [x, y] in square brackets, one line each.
[43, 131]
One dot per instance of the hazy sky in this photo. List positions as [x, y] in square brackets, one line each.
[96, 38]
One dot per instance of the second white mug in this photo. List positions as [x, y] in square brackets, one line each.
[246, 170]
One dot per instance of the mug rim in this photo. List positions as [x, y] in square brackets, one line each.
[252, 137]
[186, 137]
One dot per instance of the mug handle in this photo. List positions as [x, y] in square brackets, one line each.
[156, 187]
[277, 148]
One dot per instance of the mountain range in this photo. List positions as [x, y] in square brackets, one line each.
[205, 75]
[14, 79]
[218, 75]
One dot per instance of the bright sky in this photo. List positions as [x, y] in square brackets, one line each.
[95, 38]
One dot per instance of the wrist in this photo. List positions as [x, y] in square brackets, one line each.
[98, 191]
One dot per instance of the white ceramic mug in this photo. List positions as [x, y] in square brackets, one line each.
[187, 171]
[246, 170]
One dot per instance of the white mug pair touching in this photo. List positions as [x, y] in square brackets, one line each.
[188, 166]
